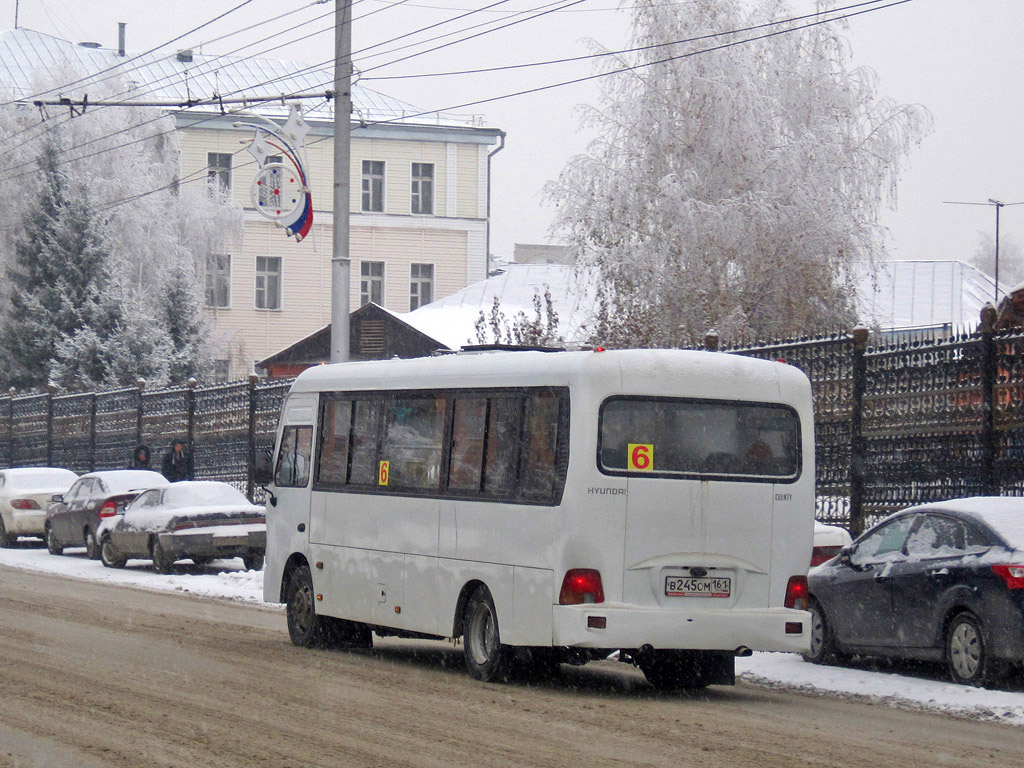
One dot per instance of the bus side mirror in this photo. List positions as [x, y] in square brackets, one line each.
[262, 473]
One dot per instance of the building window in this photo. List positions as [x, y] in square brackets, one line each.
[268, 282]
[269, 196]
[218, 169]
[423, 188]
[371, 282]
[373, 185]
[218, 280]
[421, 287]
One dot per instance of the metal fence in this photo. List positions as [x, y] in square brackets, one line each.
[904, 419]
[224, 426]
[900, 419]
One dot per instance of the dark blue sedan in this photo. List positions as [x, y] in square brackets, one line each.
[938, 582]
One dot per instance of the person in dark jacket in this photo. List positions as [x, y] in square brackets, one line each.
[140, 459]
[177, 463]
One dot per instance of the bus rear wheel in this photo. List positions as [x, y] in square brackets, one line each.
[486, 658]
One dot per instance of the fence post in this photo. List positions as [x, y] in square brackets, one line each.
[249, 484]
[50, 390]
[141, 384]
[190, 407]
[92, 432]
[10, 426]
[860, 343]
[988, 386]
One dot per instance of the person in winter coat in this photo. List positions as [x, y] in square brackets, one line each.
[140, 459]
[177, 463]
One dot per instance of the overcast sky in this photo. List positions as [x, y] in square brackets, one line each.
[962, 59]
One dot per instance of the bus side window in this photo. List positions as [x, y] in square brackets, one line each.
[365, 433]
[467, 443]
[293, 459]
[503, 443]
[334, 436]
[540, 458]
[412, 441]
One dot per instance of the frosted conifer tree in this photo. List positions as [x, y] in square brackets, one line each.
[731, 189]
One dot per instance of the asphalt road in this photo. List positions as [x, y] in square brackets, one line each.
[99, 675]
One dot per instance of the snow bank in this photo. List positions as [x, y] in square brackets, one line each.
[226, 579]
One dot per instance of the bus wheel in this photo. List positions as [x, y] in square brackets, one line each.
[305, 628]
[486, 658]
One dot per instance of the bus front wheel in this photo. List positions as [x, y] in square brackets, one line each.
[305, 628]
[486, 658]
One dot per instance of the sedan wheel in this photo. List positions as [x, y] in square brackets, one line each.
[966, 656]
[110, 556]
[252, 562]
[822, 645]
[92, 549]
[53, 545]
[162, 562]
[6, 539]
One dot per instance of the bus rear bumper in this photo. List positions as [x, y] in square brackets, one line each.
[630, 626]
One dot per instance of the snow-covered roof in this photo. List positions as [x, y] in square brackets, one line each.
[897, 295]
[164, 76]
[452, 320]
[924, 293]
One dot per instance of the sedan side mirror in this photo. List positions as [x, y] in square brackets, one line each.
[58, 498]
[262, 472]
[845, 554]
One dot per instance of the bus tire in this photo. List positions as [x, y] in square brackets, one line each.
[486, 658]
[305, 628]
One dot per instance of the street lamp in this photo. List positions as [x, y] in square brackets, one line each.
[997, 204]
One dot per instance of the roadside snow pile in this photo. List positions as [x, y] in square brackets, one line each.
[227, 580]
[790, 671]
[221, 578]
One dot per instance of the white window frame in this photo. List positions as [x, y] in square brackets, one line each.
[365, 297]
[264, 274]
[267, 198]
[418, 281]
[416, 194]
[218, 173]
[368, 178]
[214, 275]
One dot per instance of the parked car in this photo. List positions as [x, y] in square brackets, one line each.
[25, 493]
[74, 516]
[201, 520]
[828, 542]
[937, 582]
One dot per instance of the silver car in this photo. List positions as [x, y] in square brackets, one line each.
[201, 520]
[25, 494]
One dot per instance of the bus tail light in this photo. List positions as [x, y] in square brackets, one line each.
[581, 585]
[1012, 575]
[24, 504]
[797, 593]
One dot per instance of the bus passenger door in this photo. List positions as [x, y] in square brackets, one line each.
[288, 506]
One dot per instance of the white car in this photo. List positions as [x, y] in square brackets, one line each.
[828, 541]
[25, 493]
[201, 520]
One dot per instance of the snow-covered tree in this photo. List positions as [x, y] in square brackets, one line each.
[1011, 259]
[537, 331]
[154, 236]
[730, 189]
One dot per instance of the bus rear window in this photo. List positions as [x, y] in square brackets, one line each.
[705, 438]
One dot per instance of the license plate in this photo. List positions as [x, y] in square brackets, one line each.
[693, 586]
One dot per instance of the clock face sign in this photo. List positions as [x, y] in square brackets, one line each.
[277, 193]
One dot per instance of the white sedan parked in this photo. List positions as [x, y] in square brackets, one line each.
[25, 493]
[201, 520]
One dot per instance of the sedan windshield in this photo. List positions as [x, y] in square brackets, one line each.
[203, 495]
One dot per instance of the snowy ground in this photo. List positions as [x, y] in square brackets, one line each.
[907, 687]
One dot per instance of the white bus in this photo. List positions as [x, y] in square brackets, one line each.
[548, 507]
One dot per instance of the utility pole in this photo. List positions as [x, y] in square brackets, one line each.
[340, 261]
[998, 205]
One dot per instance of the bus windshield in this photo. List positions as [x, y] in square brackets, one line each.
[673, 436]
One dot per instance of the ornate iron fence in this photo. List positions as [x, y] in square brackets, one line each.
[899, 420]
[224, 426]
